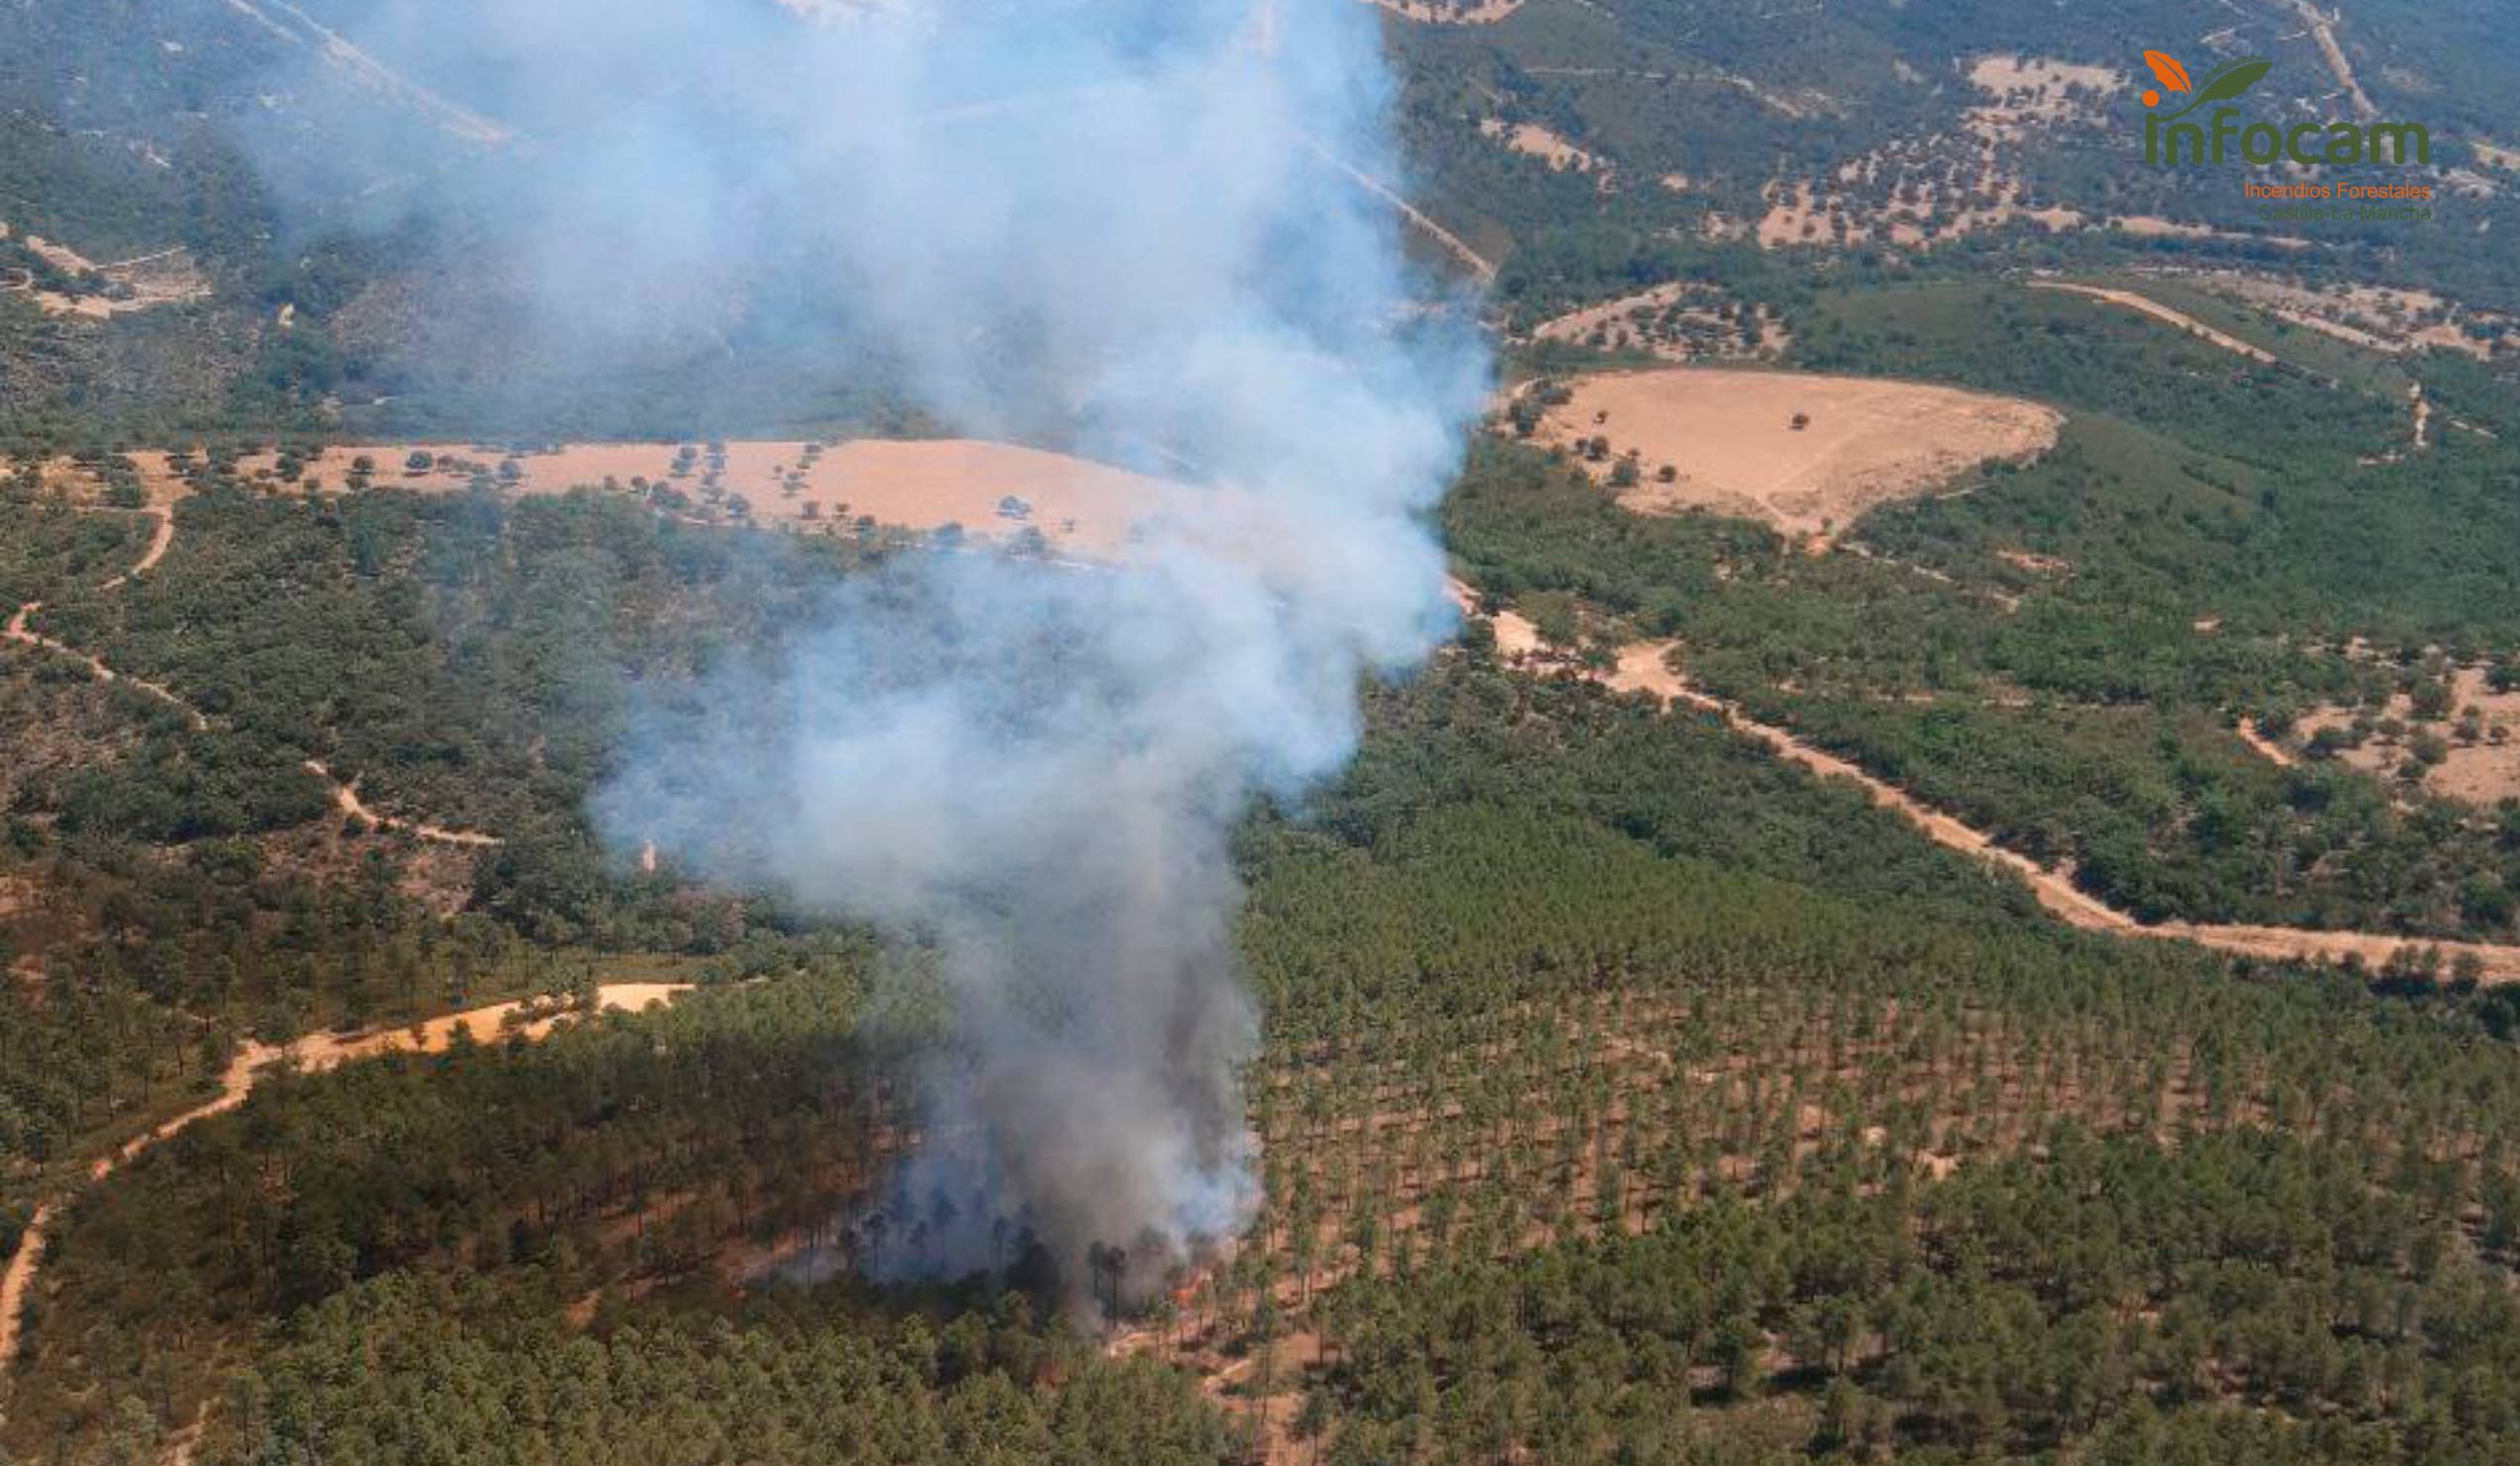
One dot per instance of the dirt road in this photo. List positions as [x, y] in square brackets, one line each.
[159, 543]
[2161, 312]
[2322, 29]
[164, 277]
[316, 1053]
[345, 798]
[20, 629]
[2267, 748]
[161, 540]
[1646, 667]
[298, 28]
[1452, 242]
[20, 632]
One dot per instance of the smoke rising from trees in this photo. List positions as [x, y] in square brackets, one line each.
[1105, 225]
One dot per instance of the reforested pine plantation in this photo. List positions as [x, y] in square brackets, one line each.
[1626, 1095]
[1622, 1093]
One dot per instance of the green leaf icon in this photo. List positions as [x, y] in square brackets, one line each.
[2233, 80]
[2227, 83]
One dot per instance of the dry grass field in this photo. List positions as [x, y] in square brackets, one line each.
[1805, 454]
[993, 490]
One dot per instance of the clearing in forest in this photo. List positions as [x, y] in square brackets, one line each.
[1683, 321]
[1451, 12]
[1915, 193]
[995, 489]
[2466, 747]
[2040, 89]
[1534, 140]
[2154, 226]
[2389, 319]
[1806, 453]
[165, 277]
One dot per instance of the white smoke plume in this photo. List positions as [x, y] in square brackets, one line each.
[1107, 223]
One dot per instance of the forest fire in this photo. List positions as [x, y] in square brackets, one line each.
[1042, 770]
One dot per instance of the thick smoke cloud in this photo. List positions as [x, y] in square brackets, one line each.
[1104, 224]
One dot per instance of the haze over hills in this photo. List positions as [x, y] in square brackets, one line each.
[737, 732]
[1585, 150]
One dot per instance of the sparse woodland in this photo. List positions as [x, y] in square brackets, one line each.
[2059, 652]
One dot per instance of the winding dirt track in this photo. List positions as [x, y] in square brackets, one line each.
[345, 796]
[19, 631]
[2267, 748]
[301, 30]
[1647, 667]
[160, 540]
[314, 1052]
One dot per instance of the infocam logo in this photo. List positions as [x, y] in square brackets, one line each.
[2172, 139]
